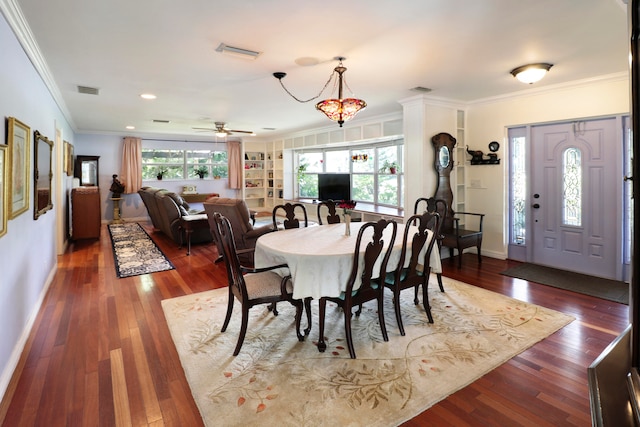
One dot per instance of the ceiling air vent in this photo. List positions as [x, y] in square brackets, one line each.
[88, 90]
[421, 89]
[160, 121]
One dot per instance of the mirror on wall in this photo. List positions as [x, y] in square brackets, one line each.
[86, 170]
[43, 174]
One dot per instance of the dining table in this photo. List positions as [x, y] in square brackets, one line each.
[320, 258]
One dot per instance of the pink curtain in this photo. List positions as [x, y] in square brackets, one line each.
[234, 150]
[131, 171]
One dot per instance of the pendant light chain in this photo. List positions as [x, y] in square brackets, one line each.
[310, 99]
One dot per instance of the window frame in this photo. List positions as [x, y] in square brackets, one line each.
[186, 163]
[376, 170]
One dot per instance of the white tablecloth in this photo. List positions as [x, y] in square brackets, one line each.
[320, 258]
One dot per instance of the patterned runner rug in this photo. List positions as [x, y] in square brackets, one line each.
[278, 381]
[134, 252]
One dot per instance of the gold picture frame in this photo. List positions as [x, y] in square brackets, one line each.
[19, 143]
[4, 149]
[68, 158]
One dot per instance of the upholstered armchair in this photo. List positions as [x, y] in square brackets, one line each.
[237, 212]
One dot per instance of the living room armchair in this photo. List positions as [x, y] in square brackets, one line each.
[244, 233]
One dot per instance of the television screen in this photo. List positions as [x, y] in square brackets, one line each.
[334, 186]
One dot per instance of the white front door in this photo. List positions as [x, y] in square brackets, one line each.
[576, 197]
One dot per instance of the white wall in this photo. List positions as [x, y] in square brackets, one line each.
[28, 250]
[488, 121]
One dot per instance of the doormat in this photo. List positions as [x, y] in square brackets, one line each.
[134, 252]
[612, 290]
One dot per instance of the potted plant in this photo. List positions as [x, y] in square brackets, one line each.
[160, 173]
[392, 167]
[201, 171]
[301, 169]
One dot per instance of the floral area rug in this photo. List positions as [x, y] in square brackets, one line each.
[134, 252]
[278, 381]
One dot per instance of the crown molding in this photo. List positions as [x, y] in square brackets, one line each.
[608, 78]
[20, 27]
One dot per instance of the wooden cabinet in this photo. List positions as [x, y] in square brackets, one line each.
[85, 213]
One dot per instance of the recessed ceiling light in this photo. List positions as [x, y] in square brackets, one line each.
[130, 127]
[148, 96]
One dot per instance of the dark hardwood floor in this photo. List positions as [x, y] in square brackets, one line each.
[100, 352]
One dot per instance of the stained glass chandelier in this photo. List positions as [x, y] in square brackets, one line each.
[337, 109]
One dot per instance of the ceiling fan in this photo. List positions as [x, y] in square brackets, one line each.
[222, 131]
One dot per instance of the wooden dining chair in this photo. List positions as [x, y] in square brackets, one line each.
[416, 272]
[431, 204]
[291, 221]
[328, 206]
[368, 290]
[251, 286]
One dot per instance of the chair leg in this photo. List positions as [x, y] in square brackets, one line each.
[479, 255]
[272, 307]
[322, 346]
[243, 329]
[383, 325]
[359, 310]
[307, 307]
[299, 306]
[229, 310]
[459, 257]
[347, 333]
[396, 306]
[439, 277]
[425, 302]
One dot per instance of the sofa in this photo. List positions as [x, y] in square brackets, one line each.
[239, 215]
[165, 209]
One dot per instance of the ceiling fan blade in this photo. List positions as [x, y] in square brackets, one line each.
[205, 129]
[239, 131]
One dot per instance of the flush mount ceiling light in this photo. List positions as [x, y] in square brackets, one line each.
[531, 73]
[337, 109]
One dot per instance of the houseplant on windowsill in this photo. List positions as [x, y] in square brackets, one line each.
[201, 171]
[392, 167]
[160, 173]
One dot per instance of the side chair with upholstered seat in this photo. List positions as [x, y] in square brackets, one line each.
[362, 275]
[251, 286]
[413, 269]
[291, 221]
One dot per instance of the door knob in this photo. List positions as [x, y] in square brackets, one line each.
[628, 178]
[536, 206]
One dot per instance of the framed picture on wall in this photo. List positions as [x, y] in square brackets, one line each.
[19, 142]
[68, 158]
[3, 189]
